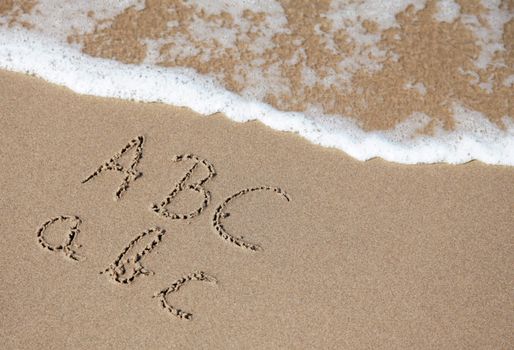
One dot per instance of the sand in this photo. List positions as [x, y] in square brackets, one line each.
[358, 256]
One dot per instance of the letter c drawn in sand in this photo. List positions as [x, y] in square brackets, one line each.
[219, 214]
[68, 247]
[175, 286]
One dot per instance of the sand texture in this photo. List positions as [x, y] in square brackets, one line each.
[130, 225]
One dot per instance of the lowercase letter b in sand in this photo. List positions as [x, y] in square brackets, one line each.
[128, 264]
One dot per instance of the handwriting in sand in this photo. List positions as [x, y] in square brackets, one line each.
[128, 264]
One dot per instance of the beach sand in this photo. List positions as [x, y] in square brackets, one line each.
[359, 255]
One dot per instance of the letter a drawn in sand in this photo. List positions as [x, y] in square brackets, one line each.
[175, 286]
[161, 209]
[219, 213]
[67, 247]
[130, 172]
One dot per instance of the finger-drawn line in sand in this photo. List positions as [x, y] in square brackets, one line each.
[175, 286]
[219, 214]
[68, 247]
[118, 270]
[161, 209]
[131, 173]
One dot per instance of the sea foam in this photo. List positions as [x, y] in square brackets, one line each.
[53, 59]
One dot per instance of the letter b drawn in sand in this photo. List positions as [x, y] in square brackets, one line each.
[125, 267]
[67, 247]
[175, 286]
[161, 209]
[130, 172]
[220, 213]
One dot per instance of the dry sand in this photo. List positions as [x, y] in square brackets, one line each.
[364, 255]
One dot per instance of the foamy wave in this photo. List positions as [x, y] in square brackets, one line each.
[46, 53]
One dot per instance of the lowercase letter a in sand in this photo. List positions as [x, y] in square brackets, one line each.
[68, 246]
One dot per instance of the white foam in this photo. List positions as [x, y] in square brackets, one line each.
[350, 16]
[447, 11]
[56, 19]
[488, 31]
[48, 58]
[419, 87]
[509, 81]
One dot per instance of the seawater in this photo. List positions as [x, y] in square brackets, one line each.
[57, 41]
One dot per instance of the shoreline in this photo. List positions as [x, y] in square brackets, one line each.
[416, 139]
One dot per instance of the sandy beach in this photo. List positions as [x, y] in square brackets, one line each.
[270, 174]
[352, 255]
